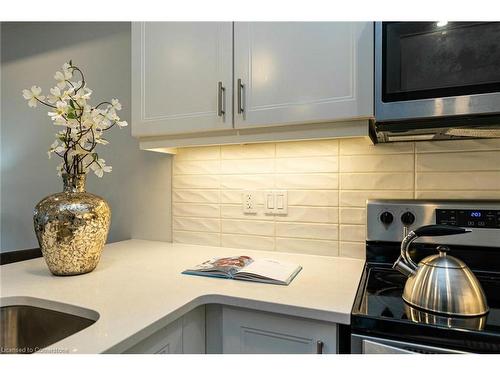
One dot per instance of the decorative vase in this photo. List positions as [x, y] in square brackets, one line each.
[72, 227]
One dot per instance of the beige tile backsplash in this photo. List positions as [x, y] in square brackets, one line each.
[328, 183]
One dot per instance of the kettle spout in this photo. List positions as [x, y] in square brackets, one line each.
[403, 267]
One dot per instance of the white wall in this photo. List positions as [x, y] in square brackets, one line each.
[138, 189]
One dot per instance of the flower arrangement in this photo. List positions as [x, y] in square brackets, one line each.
[82, 125]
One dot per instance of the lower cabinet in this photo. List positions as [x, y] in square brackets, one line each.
[194, 331]
[216, 329]
[184, 336]
[256, 332]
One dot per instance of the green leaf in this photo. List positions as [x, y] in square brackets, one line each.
[72, 103]
[71, 116]
[70, 62]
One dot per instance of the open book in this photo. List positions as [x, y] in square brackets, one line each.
[245, 268]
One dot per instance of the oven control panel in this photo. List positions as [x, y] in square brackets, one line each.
[469, 218]
[389, 220]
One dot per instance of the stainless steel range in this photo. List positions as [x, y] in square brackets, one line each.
[385, 322]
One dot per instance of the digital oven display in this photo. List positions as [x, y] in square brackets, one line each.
[469, 218]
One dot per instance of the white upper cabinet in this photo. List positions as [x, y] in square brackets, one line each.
[181, 77]
[200, 83]
[302, 72]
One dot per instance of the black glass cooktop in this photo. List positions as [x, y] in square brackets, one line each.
[380, 309]
[383, 298]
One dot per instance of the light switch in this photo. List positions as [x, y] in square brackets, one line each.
[276, 202]
[269, 204]
[270, 201]
[279, 201]
[281, 197]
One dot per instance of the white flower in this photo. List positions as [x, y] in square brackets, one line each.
[87, 109]
[82, 96]
[62, 77]
[87, 122]
[116, 104]
[56, 147]
[78, 150]
[72, 123]
[122, 124]
[60, 121]
[99, 167]
[76, 84]
[102, 122]
[84, 139]
[52, 148]
[55, 95]
[86, 93]
[60, 168]
[110, 114]
[60, 112]
[32, 95]
[101, 141]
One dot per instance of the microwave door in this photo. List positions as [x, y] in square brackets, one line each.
[423, 70]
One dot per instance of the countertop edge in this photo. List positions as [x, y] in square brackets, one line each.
[220, 299]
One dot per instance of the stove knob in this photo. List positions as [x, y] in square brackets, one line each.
[407, 218]
[386, 217]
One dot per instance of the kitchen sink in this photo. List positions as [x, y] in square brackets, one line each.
[27, 328]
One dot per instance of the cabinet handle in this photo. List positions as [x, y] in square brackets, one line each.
[241, 86]
[221, 100]
[319, 347]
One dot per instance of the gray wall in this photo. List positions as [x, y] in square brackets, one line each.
[138, 189]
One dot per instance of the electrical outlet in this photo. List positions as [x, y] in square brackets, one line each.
[248, 202]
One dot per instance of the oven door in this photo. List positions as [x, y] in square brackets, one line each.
[374, 345]
[431, 69]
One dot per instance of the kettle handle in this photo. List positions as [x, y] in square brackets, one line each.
[439, 230]
[404, 263]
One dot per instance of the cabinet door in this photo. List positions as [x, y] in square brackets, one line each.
[167, 340]
[193, 331]
[253, 332]
[186, 335]
[300, 72]
[181, 77]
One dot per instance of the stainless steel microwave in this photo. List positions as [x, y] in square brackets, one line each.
[437, 80]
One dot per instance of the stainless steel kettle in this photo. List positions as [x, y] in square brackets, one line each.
[440, 283]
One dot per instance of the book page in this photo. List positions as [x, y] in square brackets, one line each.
[221, 266]
[270, 269]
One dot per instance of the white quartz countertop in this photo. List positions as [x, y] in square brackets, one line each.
[138, 287]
